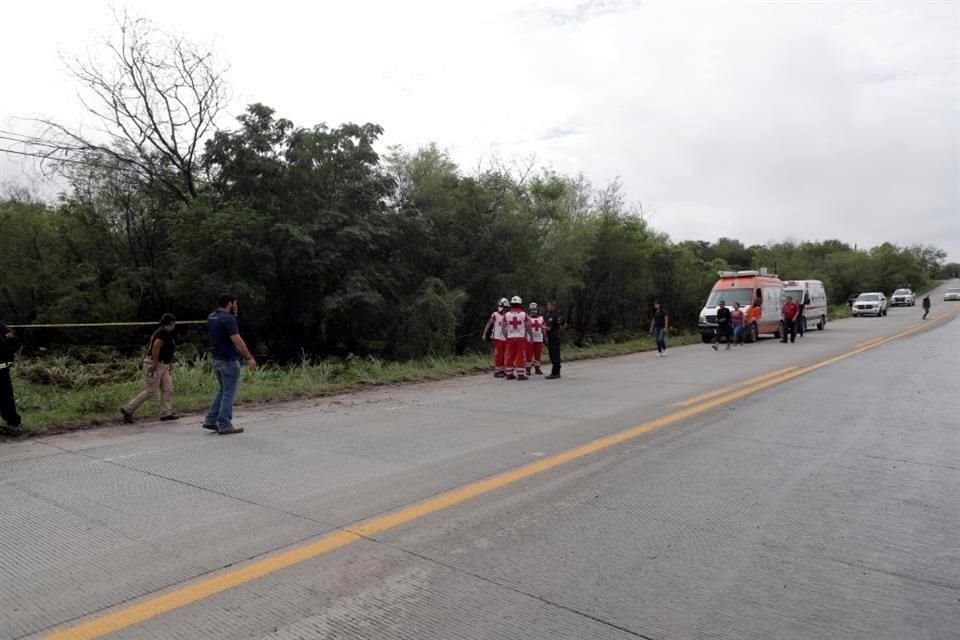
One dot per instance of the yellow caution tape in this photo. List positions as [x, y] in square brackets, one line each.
[83, 325]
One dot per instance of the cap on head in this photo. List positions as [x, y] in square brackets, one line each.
[534, 306]
[503, 303]
[516, 300]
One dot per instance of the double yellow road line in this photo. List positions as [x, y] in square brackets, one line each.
[153, 606]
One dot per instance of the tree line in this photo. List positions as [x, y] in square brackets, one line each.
[336, 248]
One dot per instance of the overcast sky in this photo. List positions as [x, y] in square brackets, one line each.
[757, 121]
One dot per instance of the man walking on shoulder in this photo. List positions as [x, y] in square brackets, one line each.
[926, 306]
[659, 327]
[227, 347]
[156, 372]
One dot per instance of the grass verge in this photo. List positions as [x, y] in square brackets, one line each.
[73, 397]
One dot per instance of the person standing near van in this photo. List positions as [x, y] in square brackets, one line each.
[659, 328]
[156, 372]
[926, 306]
[801, 318]
[227, 347]
[791, 311]
[724, 325]
[736, 321]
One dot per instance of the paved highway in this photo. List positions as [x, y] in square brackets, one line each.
[775, 491]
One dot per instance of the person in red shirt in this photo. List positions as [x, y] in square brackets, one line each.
[791, 311]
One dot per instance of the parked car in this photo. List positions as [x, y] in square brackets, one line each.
[903, 297]
[952, 294]
[870, 304]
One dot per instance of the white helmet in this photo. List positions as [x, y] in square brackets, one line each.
[503, 303]
[516, 300]
[534, 306]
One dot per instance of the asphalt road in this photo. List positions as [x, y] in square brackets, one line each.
[817, 499]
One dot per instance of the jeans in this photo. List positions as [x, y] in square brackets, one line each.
[221, 409]
[926, 312]
[738, 334]
[660, 335]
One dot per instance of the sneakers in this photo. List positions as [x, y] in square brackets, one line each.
[522, 377]
[714, 347]
[529, 372]
[499, 374]
[230, 431]
[538, 371]
[211, 427]
[169, 417]
[510, 376]
[127, 416]
[552, 377]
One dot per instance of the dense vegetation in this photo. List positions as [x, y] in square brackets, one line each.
[335, 248]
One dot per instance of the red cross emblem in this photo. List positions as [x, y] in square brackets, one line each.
[515, 322]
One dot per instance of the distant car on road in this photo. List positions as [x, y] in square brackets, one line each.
[903, 297]
[870, 304]
[951, 295]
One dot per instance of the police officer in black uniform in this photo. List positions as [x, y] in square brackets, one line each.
[8, 408]
[553, 325]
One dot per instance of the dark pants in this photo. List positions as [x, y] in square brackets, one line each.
[8, 407]
[789, 329]
[553, 347]
[724, 334]
[926, 312]
[800, 323]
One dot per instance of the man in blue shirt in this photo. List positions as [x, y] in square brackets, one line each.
[227, 347]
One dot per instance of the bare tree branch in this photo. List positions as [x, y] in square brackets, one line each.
[156, 97]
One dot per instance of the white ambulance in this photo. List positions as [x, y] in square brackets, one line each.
[813, 295]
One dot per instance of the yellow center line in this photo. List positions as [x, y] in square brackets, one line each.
[728, 389]
[153, 606]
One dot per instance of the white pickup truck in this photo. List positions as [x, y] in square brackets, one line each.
[903, 298]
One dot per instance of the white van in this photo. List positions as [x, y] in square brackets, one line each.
[812, 294]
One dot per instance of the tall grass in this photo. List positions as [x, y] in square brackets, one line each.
[61, 393]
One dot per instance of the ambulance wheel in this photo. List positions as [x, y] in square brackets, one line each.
[706, 338]
[822, 324]
[753, 334]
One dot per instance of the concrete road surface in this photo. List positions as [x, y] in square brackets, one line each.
[814, 496]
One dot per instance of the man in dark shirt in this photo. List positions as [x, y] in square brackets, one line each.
[227, 347]
[724, 325]
[553, 325]
[926, 306]
[157, 372]
[8, 406]
[659, 328]
[791, 311]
